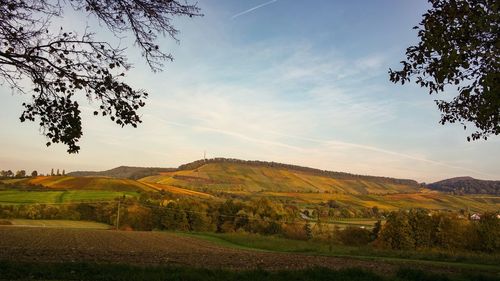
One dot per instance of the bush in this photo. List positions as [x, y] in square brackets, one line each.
[354, 236]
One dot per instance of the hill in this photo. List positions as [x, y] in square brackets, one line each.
[296, 168]
[86, 183]
[124, 172]
[249, 180]
[256, 176]
[467, 185]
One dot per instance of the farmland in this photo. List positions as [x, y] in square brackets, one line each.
[240, 180]
[55, 223]
[56, 197]
[154, 248]
[86, 183]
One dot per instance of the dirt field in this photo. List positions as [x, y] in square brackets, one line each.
[154, 248]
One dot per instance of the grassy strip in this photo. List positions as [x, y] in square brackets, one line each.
[89, 271]
[58, 223]
[276, 244]
[54, 197]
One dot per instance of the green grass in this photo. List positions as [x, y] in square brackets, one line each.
[58, 223]
[470, 261]
[88, 271]
[49, 197]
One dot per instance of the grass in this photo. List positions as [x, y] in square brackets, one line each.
[489, 263]
[87, 183]
[50, 197]
[58, 223]
[88, 271]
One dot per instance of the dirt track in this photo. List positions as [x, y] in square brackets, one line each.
[148, 248]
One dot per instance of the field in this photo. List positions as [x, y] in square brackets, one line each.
[55, 223]
[278, 244]
[24, 244]
[58, 197]
[236, 180]
[87, 183]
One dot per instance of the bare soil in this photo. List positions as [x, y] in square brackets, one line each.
[156, 248]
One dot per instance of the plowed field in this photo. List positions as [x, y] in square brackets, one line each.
[68, 245]
[158, 248]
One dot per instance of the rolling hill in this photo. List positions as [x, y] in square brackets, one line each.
[124, 172]
[467, 185]
[305, 186]
[87, 183]
[222, 174]
[247, 180]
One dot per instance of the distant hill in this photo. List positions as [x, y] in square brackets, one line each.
[141, 172]
[123, 172]
[306, 170]
[220, 179]
[224, 175]
[467, 185]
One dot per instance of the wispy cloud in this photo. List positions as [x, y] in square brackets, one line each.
[253, 9]
[337, 143]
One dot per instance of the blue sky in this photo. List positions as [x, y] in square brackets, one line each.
[301, 82]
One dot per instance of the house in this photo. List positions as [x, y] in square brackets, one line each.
[475, 217]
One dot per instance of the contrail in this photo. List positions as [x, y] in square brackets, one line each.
[253, 9]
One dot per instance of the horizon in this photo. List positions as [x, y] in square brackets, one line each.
[253, 80]
[47, 173]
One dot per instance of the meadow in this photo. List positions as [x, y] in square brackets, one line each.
[60, 197]
[54, 223]
[465, 260]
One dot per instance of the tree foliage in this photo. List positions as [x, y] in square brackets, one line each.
[60, 64]
[459, 46]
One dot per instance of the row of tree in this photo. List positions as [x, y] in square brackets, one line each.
[404, 230]
[421, 229]
[17, 174]
[24, 174]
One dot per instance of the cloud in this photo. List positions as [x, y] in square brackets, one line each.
[253, 9]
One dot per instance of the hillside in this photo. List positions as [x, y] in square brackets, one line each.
[249, 180]
[86, 183]
[467, 185]
[296, 168]
[213, 175]
[123, 172]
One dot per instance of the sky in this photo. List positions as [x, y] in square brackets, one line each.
[298, 82]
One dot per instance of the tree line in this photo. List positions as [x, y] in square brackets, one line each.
[420, 229]
[408, 230]
[23, 174]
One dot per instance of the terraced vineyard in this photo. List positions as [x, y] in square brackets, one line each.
[244, 177]
[247, 180]
[301, 188]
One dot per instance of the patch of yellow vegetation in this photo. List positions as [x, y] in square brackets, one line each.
[178, 190]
